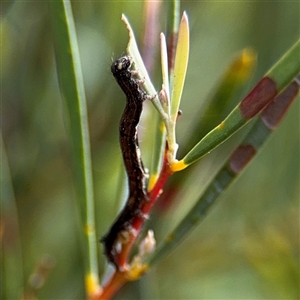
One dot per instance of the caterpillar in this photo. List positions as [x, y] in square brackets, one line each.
[135, 96]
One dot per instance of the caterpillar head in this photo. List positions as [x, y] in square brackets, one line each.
[122, 64]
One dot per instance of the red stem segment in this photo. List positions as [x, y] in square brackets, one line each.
[138, 222]
[120, 277]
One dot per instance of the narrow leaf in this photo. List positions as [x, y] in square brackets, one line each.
[232, 168]
[165, 70]
[264, 91]
[287, 67]
[181, 62]
[226, 92]
[72, 89]
[133, 50]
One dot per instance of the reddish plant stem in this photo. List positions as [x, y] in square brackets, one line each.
[138, 222]
[158, 188]
[119, 278]
[239, 159]
[112, 287]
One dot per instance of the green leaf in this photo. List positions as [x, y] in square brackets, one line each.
[72, 90]
[180, 67]
[287, 68]
[226, 92]
[264, 91]
[232, 168]
[133, 50]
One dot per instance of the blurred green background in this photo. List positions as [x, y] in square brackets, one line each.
[247, 247]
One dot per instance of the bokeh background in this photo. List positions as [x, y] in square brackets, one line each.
[247, 247]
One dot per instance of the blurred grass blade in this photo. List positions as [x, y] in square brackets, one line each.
[11, 253]
[233, 167]
[264, 91]
[72, 89]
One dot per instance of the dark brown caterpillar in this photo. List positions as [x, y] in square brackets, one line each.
[135, 96]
